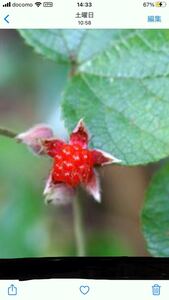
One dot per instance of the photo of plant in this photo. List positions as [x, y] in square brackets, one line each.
[84, 143]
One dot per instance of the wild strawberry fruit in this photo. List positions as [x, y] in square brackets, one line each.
[73, 163]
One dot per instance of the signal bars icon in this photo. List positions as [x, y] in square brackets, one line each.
[7, 4]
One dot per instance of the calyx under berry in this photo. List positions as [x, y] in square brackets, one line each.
[74, 164]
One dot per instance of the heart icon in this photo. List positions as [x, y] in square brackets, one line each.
[84, 289]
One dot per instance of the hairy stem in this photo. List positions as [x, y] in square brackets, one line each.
[7, 133]
[79, 226]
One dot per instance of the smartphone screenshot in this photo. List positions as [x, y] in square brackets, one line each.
[84, 147]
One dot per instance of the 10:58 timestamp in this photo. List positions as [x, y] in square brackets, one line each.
[85, 22]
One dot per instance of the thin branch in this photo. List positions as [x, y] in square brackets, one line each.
[7, 133]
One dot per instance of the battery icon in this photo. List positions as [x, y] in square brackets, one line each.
[160, 4]
[47, 4]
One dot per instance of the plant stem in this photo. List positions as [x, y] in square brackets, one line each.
[7, 133]
[79, 226]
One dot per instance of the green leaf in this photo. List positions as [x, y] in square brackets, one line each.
[120, 87]
[56, 44]
[65, 45]
[155, 214]
[122, 94]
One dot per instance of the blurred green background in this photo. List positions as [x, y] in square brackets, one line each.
[30, 92]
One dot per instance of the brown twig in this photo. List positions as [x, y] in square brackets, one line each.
[7, 133]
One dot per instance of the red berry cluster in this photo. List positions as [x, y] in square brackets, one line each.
[72, 164]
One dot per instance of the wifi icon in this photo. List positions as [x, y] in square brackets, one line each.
[38, 3]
